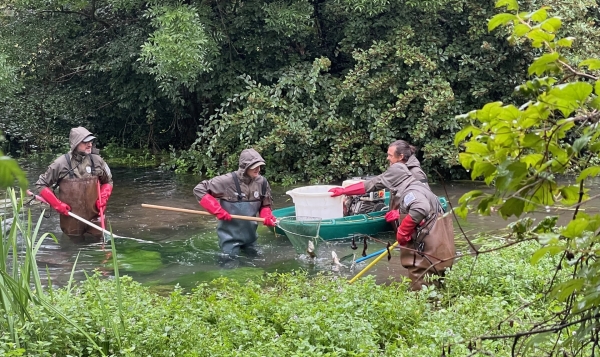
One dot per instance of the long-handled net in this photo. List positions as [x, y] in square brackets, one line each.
[301, 230]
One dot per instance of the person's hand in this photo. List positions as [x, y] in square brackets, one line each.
[267, 214]
[103, 196]
[54, 202]
[336, 191]
[405, 230]
[392, 215]
[213, 206]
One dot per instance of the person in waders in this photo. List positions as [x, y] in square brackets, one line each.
[418, 214]
[243, 192]
[76, 175]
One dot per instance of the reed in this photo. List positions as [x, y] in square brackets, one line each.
[20, 281]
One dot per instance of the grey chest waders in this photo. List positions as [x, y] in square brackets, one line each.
[238, 234]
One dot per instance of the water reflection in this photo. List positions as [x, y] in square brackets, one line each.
[182, 248]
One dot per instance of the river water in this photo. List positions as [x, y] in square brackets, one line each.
[176, 248]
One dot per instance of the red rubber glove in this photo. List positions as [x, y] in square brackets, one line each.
[267, 214]
[354, 189]
[213, 206]
[54, 202]
[105, 191]
[392, 215]
[405, 231]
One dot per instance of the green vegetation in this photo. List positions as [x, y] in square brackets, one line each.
[320, 87]
[522, 149]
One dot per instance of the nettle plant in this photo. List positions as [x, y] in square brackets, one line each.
[521, 150]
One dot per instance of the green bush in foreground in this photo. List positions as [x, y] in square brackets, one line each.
[296, 315]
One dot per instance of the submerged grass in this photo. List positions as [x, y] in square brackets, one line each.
[270, 315]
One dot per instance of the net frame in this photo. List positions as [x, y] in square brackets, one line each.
[300, 230]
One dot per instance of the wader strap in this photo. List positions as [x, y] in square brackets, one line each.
[423, 180]
[93, 166]
[237, 186]
[264, 187]
[69, 165]
[69, 172]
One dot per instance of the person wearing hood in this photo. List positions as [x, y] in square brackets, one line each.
[243, 192]
[422, 228]
[76, 174]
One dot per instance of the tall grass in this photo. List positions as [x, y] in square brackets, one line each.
[20, 281]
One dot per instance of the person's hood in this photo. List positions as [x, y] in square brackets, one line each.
[77, 135]
[412, 162]
[248, 158]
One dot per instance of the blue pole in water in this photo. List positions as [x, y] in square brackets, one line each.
[362, 259]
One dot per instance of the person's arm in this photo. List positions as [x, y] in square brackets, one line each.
[207, 192]
[106, 184]
[265, 210]
[51, 176]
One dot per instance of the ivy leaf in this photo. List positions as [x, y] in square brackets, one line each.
[591, 63]
[510, 4]
[597, 88]
[575, 228]
[565, 289]
[590, 171]
[500, 19]
[542, 64]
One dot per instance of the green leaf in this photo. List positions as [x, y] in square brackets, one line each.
[580, 143]
[512, 207]
[552, 24]
[597, 88]
[539, 254]
[532, 160]
[489, 111]
[595, 103]
[510, 4]
[565, 289]
[591, 63]
[575, 228]
[461, 135]
[521, 29]
[461, 211]
[467, 197]
[539, 15]
[540, 35]
[565, 42]
[570, 195]
[500, 19]
[568, 97]
[475, 147]
[482, 169]
[590, 171]
[543, 64]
